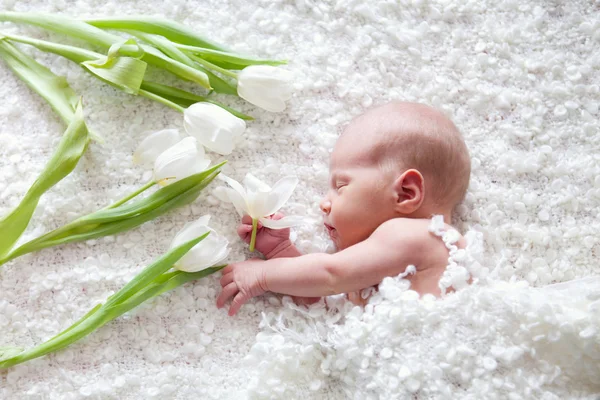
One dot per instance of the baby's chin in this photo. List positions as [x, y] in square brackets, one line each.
[339, 244]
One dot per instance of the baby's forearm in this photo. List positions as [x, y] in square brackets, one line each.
[306, 276]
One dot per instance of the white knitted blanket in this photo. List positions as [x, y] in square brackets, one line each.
[519, 78]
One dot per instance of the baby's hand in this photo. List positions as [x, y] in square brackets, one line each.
[241, 282]
[266, 239]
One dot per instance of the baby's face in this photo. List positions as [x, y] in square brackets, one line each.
[360, 195]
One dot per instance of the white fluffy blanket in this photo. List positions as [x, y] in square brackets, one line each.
[519, 78]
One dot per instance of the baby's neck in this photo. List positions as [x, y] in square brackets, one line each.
[428, 213]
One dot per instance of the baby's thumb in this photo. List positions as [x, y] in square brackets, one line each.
[277, 216]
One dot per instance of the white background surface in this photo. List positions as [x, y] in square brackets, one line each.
[520, 79]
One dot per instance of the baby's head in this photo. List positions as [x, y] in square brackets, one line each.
[397, 160]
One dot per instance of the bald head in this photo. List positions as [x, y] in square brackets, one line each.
[404, 135]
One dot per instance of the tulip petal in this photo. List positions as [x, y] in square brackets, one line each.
[210, 251]
[179, 161]
[253, 184]
[240, 204]
[214, 127]
[154, 144]
[285, 222]
[280, 193]
[237, 195]
[265, 86]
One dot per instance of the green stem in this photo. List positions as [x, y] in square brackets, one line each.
[73, 53]
[231, 58]
[152, 96]
[253, 237]
[212, 66]
[185, 99]
[132, 195]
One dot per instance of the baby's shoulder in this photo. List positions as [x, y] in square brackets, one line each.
[421, 232]
[425, 242]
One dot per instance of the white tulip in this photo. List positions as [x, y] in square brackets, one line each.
[259, 201]
[154, 144]
[180, 161]
[210, 251]
[215, 128]
[265, 86]
[173, 158]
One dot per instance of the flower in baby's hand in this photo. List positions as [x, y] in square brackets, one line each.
[259, 201]
[174, 158]
[265, 86]
[210, 251]
[214, 127]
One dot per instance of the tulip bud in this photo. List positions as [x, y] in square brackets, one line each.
[265, 86]
[179, 161]
[215, 128]
[154, 144]
[209, 252]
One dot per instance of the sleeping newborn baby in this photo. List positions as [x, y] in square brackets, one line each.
[391, 170]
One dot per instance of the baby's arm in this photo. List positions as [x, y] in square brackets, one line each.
[387, 252]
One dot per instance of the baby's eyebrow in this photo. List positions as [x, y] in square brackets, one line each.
[338, 175]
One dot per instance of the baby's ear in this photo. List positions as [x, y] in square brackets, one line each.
[409, 191]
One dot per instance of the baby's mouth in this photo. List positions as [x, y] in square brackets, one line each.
[331, 231]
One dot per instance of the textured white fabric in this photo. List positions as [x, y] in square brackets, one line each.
[519, 78]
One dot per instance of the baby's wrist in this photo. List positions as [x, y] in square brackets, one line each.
[279, 249]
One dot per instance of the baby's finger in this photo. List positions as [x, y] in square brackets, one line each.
[226, 280]
[227, 269]
[227, 292]
[243, 230]
[277, 216]
[247, 220]
[237, 302]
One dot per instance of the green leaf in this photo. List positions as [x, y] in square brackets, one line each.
[170, 29]
[74, 142]
[96, 36]
[155, 57]
[72, 145]
[65, 25]
[164, 283]
[125, 73]
[149, 283]
[185, 99]
[110, 221]
[92, 62]
[218, 84]
[150, 273]
[52, 88]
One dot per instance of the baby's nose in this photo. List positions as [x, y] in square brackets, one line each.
[325, 206]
